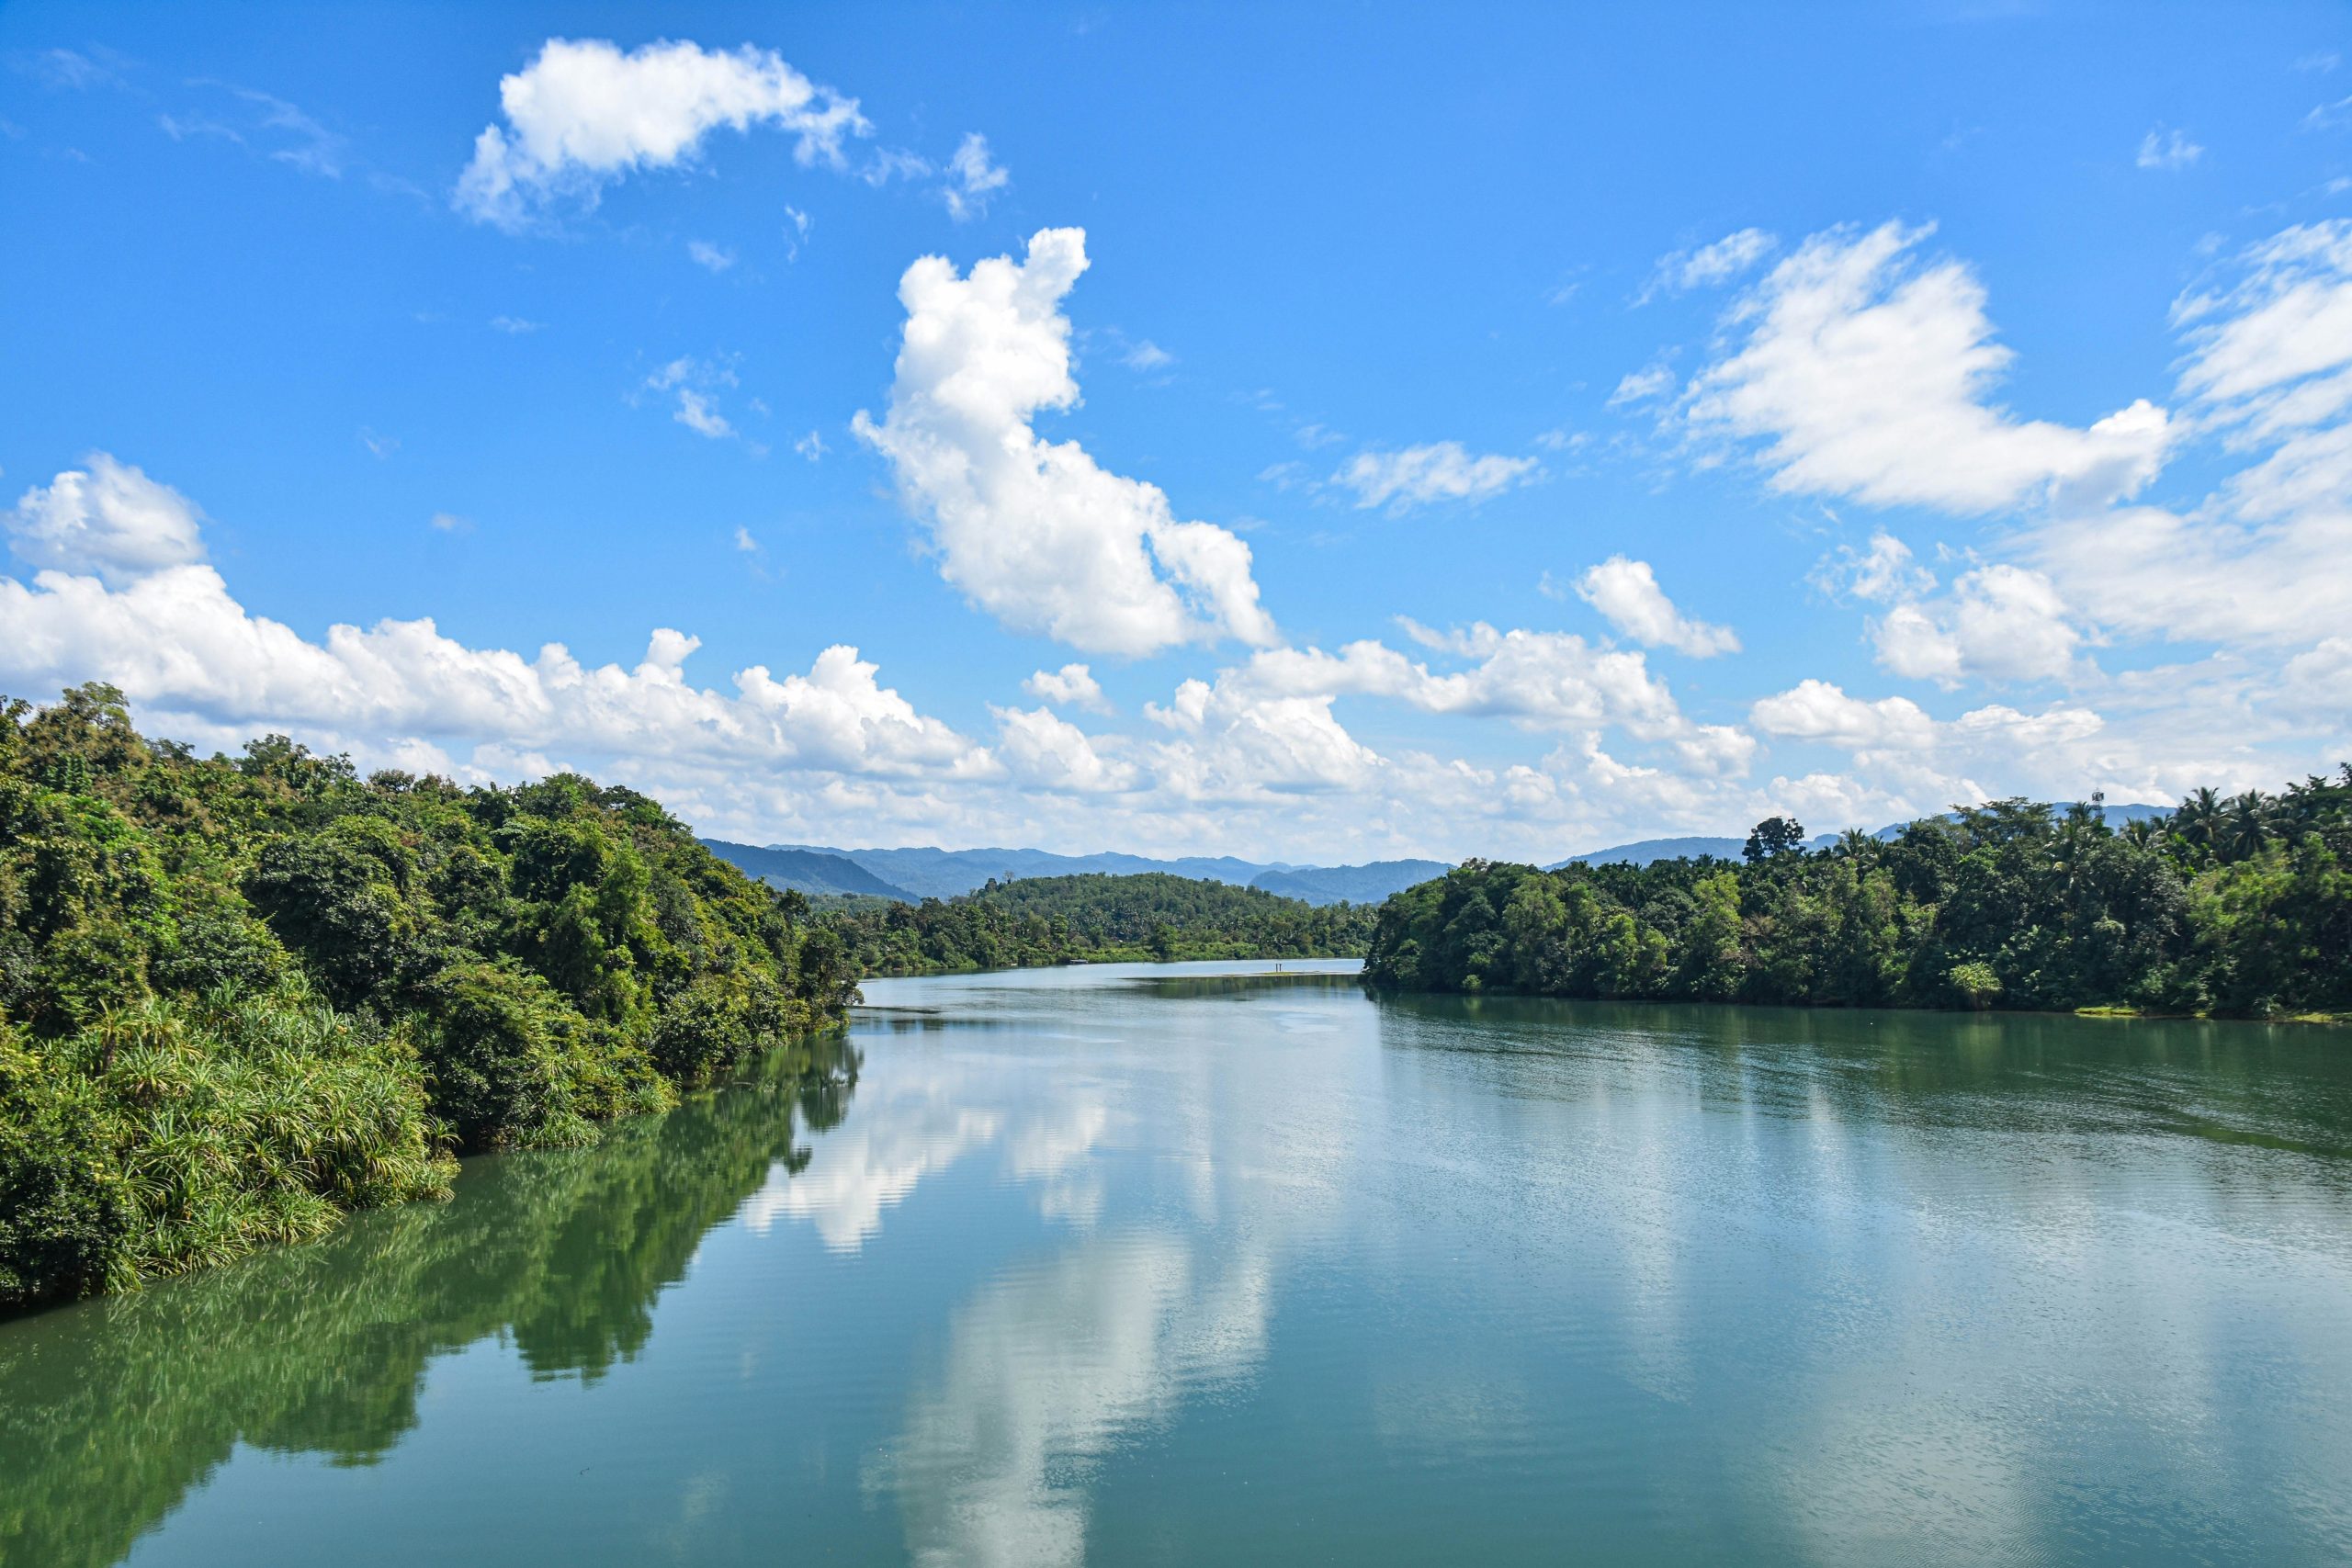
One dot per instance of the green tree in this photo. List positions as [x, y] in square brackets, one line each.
[1774, 836]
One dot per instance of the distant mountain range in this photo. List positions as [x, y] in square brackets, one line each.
[1354, 883]
[912, 876]
[918, 873]
[810, 870]
[1648, 849]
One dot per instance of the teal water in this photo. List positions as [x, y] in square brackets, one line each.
[1136, 1265]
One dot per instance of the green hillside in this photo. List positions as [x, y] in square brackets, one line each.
[241, 997]
[1095, 918]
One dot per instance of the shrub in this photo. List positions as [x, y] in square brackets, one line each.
[511, 1065]
[175, 1134]
[1974, 983]
[63, 1215]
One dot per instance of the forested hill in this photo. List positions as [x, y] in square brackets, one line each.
[1094, 918]
[240, 997]
[2239, 908]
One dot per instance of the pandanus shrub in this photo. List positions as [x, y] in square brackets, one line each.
[177, 1134]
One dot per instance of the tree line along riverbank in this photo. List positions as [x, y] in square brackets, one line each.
[2239, 908]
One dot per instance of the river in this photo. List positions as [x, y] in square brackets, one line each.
[1170, 1265]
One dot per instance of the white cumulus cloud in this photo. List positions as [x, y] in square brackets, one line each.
[108, 520]
[1236, 744]
[1999, 623]
[584, 113]
[1536, 680]
[1627, 595]
[1145, 355]
[1034, 531]
[1073, 685]
[158, 622]
[693, 386]
[1042, 749]
[1819, 710]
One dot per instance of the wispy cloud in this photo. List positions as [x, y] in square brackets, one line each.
[267, 126]
[1677, 271]
[693, 387]
[1865, 367]
[2328, 117]
[972, 178]
[2162, 149]
[1438, 470]
[1653, 380]
[73, 70]
[698, 413]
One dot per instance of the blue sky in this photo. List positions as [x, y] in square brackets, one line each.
[1442, 430]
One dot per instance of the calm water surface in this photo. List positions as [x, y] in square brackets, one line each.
[1139, 1265]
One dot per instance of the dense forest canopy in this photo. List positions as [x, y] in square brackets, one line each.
[241, 997]
[1094, 917]
[2240, 906]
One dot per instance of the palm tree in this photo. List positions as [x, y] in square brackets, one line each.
[2198, 819]
[2246, 828]
[2071, 846]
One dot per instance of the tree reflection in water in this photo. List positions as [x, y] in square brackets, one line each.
[116, 1407]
